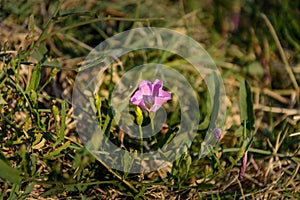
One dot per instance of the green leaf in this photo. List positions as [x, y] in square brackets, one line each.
[57, 151]
[59, 188]
[63, 121]
[31, 25]
[2, 101]
[9, 173]
[98, 107]
[14, 191]
[55, 114]
[33, 96]
[35, 79]
[29, 188]
[216, 100]
[245, 145]
[52, 63]
[246, 105]
[40, 52]
[127, 162]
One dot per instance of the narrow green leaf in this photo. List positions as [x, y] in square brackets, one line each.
[35, 79]
[53, 73]
[55, 113]
[216, 97]
[63, 121]
[59, 188]
[242, 150]
[2, 101]
[127, 162]
[98, 107]
[57, 151]
[38, 138]
[39, 53]
[31, 25]
[9, 173]
[14, 189]
[246, 105]
[33, 96]
[54, 63]
[28, 190]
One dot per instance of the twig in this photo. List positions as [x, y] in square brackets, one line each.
[277, 110]
[294, 134]
[283, 56]
[258, 151]
[272, 94]
[293, 176]
[241, 188]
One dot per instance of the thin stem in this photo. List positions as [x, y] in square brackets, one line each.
[152, 115]
[152, 126]
[141, 137]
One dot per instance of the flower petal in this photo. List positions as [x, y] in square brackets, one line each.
[165, 94]
[161, 100]
[136, 98]
[154, 108]
[156, 87]
[148, 100]
[145, 87]
[150, 96]
[143, 106]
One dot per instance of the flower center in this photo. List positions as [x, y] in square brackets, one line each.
[148, 100]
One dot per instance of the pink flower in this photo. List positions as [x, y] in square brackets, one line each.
[150, 96]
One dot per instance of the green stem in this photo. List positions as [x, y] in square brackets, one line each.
[141, 137]
[152, 126]
[152, 115]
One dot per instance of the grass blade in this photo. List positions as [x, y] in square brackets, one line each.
[9, 173]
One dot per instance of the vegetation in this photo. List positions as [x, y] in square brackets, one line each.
[255, 45]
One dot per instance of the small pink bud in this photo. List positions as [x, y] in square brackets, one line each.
[217, 133]
[243, 167]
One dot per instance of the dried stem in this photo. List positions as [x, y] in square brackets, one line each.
[283, 56]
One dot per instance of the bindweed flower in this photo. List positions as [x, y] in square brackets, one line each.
[150, 96]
